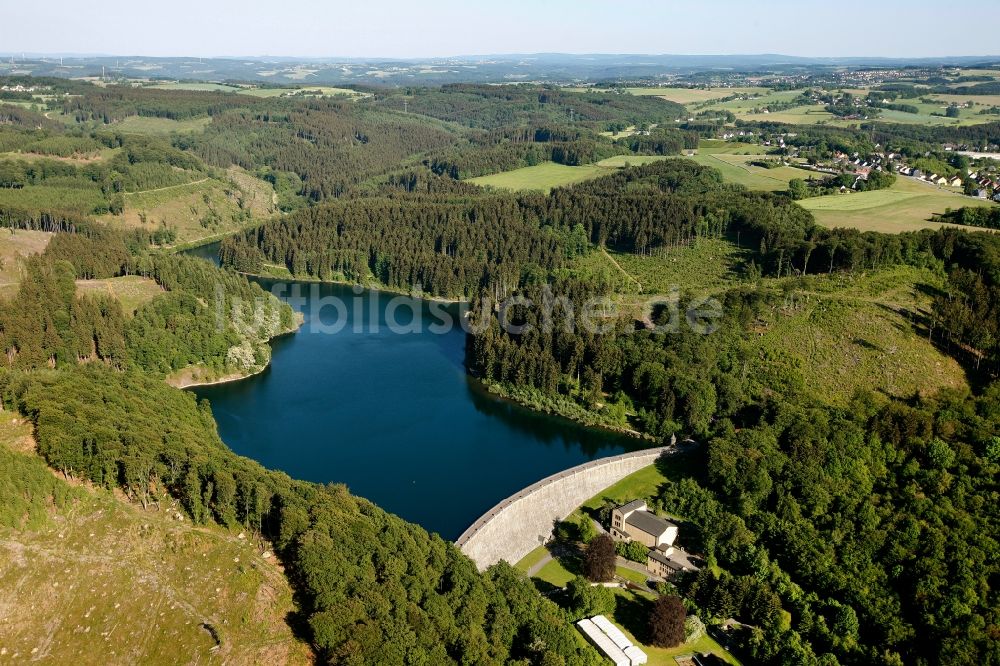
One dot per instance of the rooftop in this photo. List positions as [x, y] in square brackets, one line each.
[648, 523]
[634, 505]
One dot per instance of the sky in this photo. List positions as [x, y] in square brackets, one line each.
[434, 28]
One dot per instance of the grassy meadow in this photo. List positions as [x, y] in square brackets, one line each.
[906, 206]
[541, 177]
[160, 126]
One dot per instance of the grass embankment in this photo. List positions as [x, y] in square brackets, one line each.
[92, 579]
[908, 205]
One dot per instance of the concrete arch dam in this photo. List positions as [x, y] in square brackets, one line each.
[523, 521]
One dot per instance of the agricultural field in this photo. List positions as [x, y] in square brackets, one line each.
[620, 161]
[303, 91]
[160, 126]
[906, 206]
[738, 170]
[200, 209]
[542, 177]
[103, 581]
[694, 95]
[14, 246]
[295, 91]
[131, 291]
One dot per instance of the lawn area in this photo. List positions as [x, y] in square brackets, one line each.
[103, 581]
[631, 613]
[541, 177]
[631, 574]
[130, 290]
[906, 206]
[643, 483]
[555, 574]
[160, 126]
[532, 558]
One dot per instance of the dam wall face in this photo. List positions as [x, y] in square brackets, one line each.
[524, 521]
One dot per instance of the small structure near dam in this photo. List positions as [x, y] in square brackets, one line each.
[524, 521]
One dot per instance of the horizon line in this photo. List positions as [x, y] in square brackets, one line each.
[521, 54]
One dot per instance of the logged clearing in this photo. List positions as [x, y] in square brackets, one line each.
[707, 266]
[844, 332]
[129, 290]
[201, 209]
[908, 205]
[102, 581]
[14, 246]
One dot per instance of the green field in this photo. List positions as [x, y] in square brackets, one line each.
[542, 177]
[841, 333]
[197, 86]
[82, 200]
[907, 206]
[694, 95]
[737, 169]
[160, 126]
[304, 91]
[619, 161]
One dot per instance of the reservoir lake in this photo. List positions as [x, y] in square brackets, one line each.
[392, 415]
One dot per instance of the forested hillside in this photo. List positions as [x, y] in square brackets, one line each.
[840, 385]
